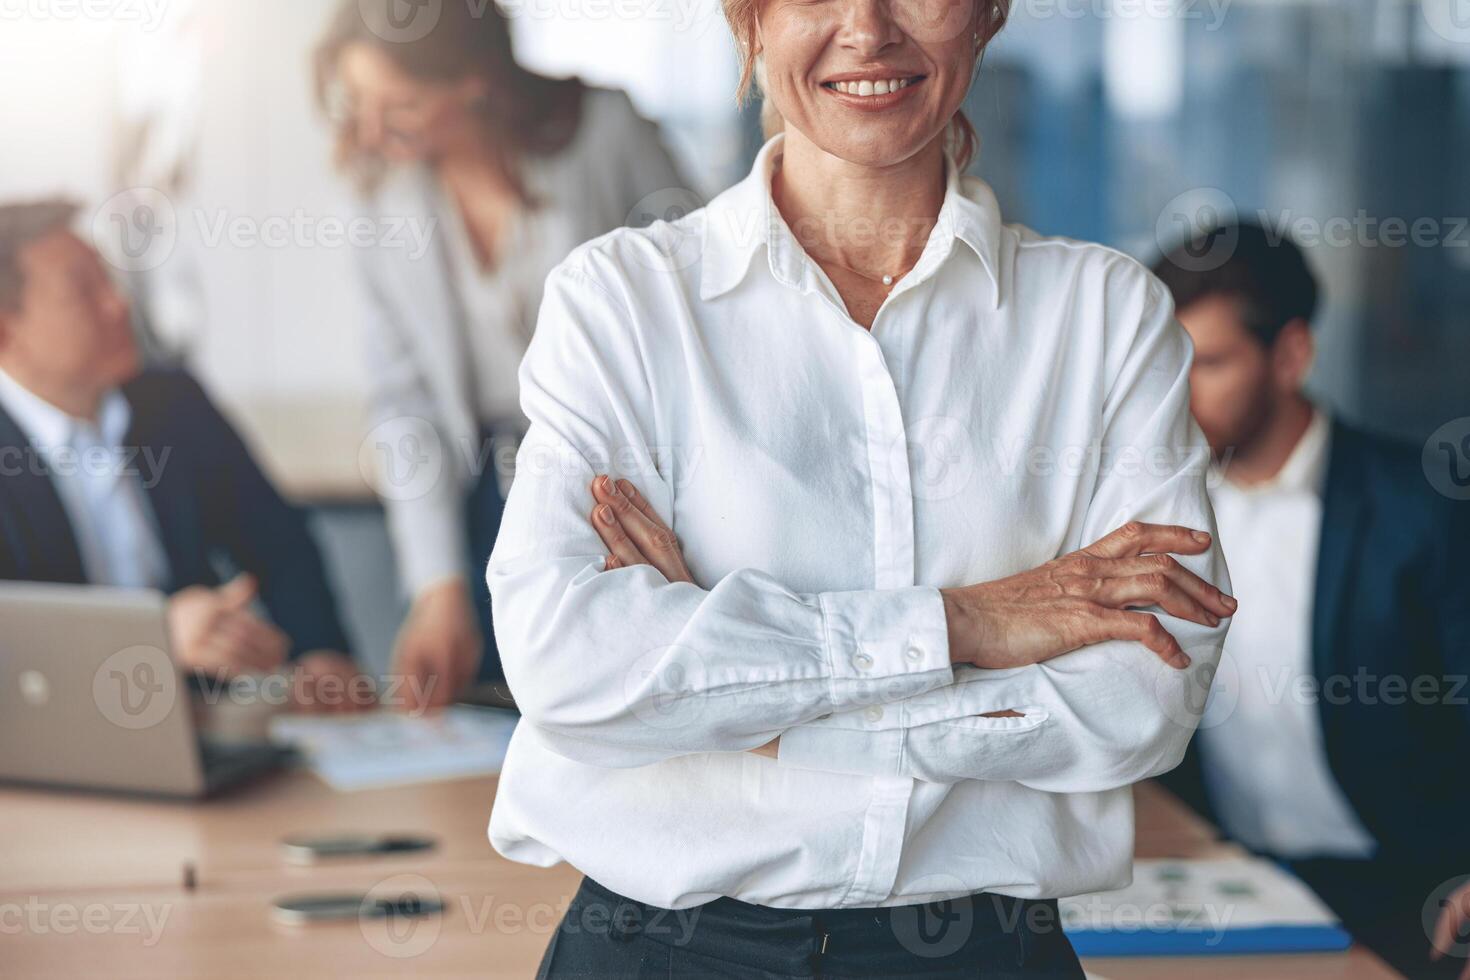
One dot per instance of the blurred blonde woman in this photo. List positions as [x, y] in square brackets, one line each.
[511, 170]
[824, 669]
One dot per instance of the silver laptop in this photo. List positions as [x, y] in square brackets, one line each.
[91, 699]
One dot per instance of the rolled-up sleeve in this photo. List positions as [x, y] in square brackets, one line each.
[1106, 715]
[623, 668]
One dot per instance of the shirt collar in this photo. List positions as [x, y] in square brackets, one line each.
[745, 217]
[1306, 467]
[47, 426]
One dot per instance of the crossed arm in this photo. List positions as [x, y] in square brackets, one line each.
[627, 666]
[1081, 598]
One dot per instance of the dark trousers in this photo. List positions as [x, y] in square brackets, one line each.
[483, 510]
[1383, 903]
[606, 935]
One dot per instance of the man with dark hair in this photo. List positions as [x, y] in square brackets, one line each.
[1340, 722]
[115, 475]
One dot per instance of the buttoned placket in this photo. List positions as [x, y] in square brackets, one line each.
[893, 521]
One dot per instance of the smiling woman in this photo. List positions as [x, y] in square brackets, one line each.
[931, 21]
[816, 657]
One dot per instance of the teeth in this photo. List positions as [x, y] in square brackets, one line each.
[867, 87]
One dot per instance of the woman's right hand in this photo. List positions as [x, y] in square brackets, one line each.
[1086, 597]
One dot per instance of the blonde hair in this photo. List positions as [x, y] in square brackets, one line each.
[742, 14]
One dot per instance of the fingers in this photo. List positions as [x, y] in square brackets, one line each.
[1137, 538]
[1448, 928]
[253, 642]
[1152, 580]
[1199, 591]
[239, 591]
[620, 547]
[634, 534]
[239, 643]
[627, 489]
[1146, 629]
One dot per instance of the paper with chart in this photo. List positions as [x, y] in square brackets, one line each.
[1230, 904]
[387, 748]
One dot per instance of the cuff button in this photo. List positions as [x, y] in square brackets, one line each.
[913, 655]
[863, 662]
[874, 713]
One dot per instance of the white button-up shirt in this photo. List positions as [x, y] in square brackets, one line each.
[1017, 397]
[1264, 758]
[96, 479]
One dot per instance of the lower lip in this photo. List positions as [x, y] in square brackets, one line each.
[874, 103]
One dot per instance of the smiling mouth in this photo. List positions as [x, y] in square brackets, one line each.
[867, 88]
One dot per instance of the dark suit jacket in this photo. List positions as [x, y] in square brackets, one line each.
[212, 503]
[1392, 610]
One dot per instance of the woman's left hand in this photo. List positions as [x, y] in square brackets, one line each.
[633, 532]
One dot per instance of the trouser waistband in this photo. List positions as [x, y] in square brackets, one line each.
[997, 931]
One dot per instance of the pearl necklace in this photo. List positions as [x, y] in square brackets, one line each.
[886, 280]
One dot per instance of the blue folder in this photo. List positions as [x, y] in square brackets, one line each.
[1194, 942]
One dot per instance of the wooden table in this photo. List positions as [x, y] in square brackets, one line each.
[96, 886]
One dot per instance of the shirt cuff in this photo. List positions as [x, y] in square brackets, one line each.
[885, 645]
[842, 750]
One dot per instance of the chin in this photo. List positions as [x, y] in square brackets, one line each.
[876, 150]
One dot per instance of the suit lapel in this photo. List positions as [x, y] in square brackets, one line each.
[49, 552]
[1344, 507]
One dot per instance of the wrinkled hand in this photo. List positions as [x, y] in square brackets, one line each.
[439, 647]
[1087, 597]
[1453, 927]
[328, 682]
[214, 631]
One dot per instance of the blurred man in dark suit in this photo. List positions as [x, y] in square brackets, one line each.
[115, 475]
[1339, 716]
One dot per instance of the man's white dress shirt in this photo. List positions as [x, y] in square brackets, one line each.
[1263, 755]
[825, 481]
[99, 486]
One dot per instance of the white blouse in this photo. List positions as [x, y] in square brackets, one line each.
[1017, 398]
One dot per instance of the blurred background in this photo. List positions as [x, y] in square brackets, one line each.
[1342, 122]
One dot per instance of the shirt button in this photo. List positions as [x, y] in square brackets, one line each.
[873, 713]
[913, 655]
[863, 662]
